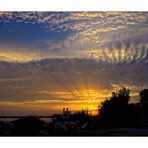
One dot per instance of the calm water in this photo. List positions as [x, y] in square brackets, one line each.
[12, 119]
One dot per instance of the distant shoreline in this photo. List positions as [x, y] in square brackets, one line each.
[4, 117]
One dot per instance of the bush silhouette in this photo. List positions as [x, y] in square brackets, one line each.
[115, 111]
[28, 126]
[144, 98]
[81, 116]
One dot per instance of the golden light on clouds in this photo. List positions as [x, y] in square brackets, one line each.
[13, 56]
[90, 100]
[70, 59]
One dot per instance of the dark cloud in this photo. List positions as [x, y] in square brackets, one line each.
[31, 80]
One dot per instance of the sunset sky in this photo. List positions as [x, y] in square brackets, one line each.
[51, 60]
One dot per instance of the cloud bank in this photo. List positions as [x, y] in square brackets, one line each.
[105, 36]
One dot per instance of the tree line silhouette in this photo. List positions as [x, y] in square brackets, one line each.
[118, 112]
[115, 112]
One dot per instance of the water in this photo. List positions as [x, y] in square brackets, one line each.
[13, 119]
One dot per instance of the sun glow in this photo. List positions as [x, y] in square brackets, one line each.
[89, 99]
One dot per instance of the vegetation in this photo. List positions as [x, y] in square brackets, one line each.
[115, 113]
[144, 98]
[118, 112]
[29, 125]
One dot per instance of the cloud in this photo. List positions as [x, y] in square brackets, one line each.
[67, 79]
[49, 85]
[52, 59]
[86, 33]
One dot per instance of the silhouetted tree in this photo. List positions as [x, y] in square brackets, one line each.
[28, 126]
[114, 111]
[144, 98]
[82, 116]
